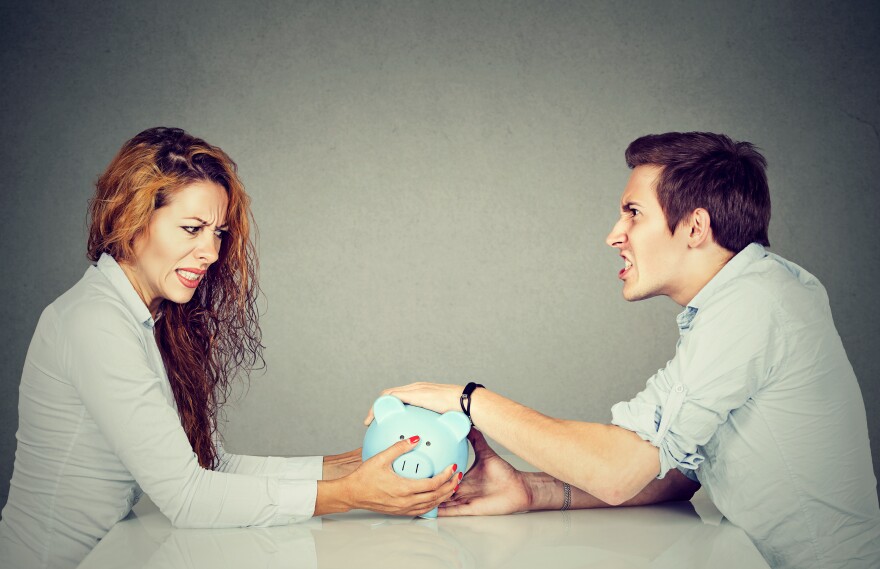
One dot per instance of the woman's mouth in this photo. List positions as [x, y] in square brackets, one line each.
[189, 279]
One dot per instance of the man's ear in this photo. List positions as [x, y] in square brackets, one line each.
[700, 225]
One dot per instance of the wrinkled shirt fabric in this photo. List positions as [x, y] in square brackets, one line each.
[98, 425]
[761, 405]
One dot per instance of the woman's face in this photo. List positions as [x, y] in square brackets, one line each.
[180, 243]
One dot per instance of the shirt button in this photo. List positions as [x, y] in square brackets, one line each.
[679, 388]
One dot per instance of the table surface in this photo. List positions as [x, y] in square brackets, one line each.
[677, 535]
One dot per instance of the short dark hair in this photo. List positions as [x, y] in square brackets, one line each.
[711, 171]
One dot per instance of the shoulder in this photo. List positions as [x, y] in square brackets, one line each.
[90, 304]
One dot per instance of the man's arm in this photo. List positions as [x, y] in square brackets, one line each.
[547, 492]
[493, 487]
[609, 462]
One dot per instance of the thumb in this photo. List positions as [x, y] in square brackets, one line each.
[478, 441]
[390, 454]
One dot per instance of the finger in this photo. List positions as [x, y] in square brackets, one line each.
[389, 455]
[463, 509]
[424, 486]
[369, 418]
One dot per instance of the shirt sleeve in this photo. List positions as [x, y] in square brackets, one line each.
[290, 468]
[107, 359]
[720, 363]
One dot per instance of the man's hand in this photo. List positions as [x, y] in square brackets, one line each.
[339, 465]
[437, 397]
[492, 486]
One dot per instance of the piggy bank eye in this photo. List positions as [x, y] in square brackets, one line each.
[401, 437]
[427, 443]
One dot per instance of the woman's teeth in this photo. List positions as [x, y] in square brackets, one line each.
[188, 275]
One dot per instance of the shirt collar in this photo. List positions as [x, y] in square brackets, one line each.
[734, 267]
[108, 267]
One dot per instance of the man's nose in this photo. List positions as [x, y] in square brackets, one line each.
[617, 235]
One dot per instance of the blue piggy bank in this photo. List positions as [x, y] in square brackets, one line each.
[443, 438]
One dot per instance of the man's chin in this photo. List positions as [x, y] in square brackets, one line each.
[634, 295]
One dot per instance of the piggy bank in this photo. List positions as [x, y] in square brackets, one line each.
[443, 438]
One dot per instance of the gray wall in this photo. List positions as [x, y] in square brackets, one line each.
[433, 182]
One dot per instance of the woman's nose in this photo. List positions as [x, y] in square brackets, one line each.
[209, 247]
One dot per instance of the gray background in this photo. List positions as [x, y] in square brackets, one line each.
[433, 181]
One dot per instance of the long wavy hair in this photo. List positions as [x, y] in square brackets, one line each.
[208, 341]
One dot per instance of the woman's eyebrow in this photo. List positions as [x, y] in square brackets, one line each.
[203, 222]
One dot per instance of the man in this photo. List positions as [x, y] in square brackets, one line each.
[759, 405]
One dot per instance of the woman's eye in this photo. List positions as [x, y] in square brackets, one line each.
[220, 233]
[191, 229]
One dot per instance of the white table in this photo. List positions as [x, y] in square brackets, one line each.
[676, 536]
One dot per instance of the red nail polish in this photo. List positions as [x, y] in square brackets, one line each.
[454, 467]
[460, 474]
[456, 489]
[414, 439]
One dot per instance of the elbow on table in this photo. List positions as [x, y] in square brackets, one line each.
[615, 495]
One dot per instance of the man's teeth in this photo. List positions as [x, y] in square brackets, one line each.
[626, 264]
[188, 275]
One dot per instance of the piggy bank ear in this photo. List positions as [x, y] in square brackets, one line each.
[386, 406]
[457, 422]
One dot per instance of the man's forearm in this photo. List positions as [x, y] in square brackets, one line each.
[547, 492]
[607, 462]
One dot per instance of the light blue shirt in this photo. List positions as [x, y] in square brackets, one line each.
[761, 403]
[98, 423]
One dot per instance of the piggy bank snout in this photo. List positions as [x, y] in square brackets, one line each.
[414, 464]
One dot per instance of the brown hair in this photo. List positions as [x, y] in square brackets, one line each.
[207, 341]
[705, 170]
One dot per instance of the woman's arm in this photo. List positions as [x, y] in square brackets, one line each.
[113, 366]
[289, 468]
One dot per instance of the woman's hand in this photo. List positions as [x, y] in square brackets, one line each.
[375, 486]
[492, 486]
[434, 396]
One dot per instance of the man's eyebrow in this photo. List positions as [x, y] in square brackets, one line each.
[627, 205]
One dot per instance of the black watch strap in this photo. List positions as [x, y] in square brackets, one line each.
[465, 398]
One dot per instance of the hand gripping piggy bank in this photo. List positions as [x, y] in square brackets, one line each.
[443, 438]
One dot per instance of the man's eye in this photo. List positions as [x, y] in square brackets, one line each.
[191, 229]
[634, 212]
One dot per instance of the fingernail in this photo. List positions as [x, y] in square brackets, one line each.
[454, 467]
[413, 440]
[460, 474]
[456, 489]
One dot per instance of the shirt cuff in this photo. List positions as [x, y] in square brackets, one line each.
[296, 501]
[645, 420]
[302, 468]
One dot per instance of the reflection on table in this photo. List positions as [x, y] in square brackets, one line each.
[666, 536]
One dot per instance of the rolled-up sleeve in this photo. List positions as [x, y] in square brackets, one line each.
[106, 357]
[720, 362]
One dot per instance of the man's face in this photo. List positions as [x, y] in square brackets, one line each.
[651, 254]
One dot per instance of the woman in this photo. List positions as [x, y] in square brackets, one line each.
[127, 370]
